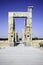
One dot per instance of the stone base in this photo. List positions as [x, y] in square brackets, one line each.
[12, 44]
[27, 43]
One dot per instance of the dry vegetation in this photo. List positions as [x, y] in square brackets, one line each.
[4, 43]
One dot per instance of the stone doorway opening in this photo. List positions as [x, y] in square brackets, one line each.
[19, 26]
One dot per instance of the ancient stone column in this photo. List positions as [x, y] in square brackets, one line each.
[16, 36]
[10, 29]
[29, 26]
[23, 36]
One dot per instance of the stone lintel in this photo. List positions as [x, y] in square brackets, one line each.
[20, 14]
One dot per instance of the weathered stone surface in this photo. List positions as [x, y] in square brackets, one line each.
[27, 34]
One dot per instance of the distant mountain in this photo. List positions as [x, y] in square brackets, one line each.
[3, 38]
[36, 38]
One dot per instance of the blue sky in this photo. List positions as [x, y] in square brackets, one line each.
[21, 5]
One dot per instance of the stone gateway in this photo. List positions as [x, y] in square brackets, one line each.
[26, 33]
